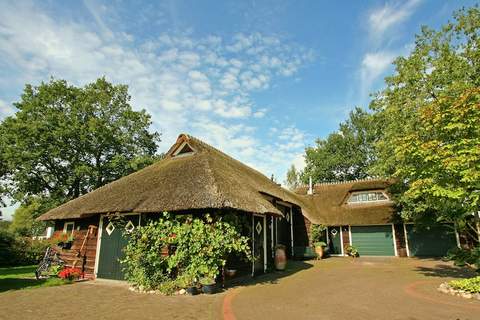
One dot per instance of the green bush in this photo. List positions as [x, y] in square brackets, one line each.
[465, 257]
[471, 285]
[198, 249]
[317, 233]
[8, 255]
[16, 250]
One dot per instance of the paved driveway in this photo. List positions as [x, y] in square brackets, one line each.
[335, 288]
[341, 288]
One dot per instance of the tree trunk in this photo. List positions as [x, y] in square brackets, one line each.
[477, 224]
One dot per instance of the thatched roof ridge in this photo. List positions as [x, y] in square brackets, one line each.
[204, 179]
[328, 204]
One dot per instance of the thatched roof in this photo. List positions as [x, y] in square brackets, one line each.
[328, 205]
[193, 175]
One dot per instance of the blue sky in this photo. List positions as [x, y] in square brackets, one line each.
[260, 80]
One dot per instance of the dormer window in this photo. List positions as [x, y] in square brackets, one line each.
[183, 150]
[367, 196]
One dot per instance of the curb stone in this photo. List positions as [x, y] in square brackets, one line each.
[445, 288]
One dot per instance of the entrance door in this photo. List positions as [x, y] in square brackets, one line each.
[112, 242]
[258, 244]
[335, 244]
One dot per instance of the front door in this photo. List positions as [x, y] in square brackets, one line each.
[258, 244]
[114, 238]
[335, 244]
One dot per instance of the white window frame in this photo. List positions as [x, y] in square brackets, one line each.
[65, 228]
[368, 201]
[179, 149]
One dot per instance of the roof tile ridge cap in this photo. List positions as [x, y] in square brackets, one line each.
[346, 181]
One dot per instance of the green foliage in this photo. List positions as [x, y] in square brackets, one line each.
[17, 250]
[16, 278]
[352, 251]
[343, 155]
[471, 285]
[465, 257]
[320, 244]
[428, 119]
[65, 141]
[201, 246]
[317, 232]
[293, 178]
[24, 223]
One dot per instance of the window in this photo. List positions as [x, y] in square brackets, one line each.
[184, 150]
[368, 196]
[68, 227]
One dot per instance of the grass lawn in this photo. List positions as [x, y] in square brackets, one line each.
[16, 278]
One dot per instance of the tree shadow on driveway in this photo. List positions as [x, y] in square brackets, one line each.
[272, 277]
[446, 271]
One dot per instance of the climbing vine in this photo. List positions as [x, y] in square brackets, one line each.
[178, 252]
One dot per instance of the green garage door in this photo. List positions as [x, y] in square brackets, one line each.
[373, 240]
[433, 241]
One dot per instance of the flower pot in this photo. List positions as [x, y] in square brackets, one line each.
[193, 291]
[66, 245]
[209, 288]
[230, 272]
[280, 258]
[319, 252]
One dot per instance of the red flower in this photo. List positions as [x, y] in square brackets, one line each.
[70, 273]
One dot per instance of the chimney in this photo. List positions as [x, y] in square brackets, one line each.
[310, 186]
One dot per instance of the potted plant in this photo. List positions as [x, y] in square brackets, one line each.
[189, 283]
[70, 274]
[352, 251]
[230, 272]
[68, 243]
[208, 285]
[319, 245]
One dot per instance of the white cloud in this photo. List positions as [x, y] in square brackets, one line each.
[374, 64]
[179, 79]
[385, 18]
[260, 113]
[240, 141]
[5, 109]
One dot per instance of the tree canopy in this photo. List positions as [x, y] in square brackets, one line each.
[65, 141]
[344, 155]
[429, 121]
[293, 178]
[424, 129]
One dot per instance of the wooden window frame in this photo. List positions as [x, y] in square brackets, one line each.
[66, 224]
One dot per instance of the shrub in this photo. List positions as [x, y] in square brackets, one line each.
[198, 249]
[352, 251]
[16, 250]
[8, 255]
[317, 232]
[465, 257]
[471, 285]
[70, 274]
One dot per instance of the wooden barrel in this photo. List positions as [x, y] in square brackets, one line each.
[280, 257]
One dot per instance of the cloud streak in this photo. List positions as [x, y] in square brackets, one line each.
[202, 85]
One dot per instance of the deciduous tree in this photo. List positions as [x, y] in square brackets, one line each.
[65, 141]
